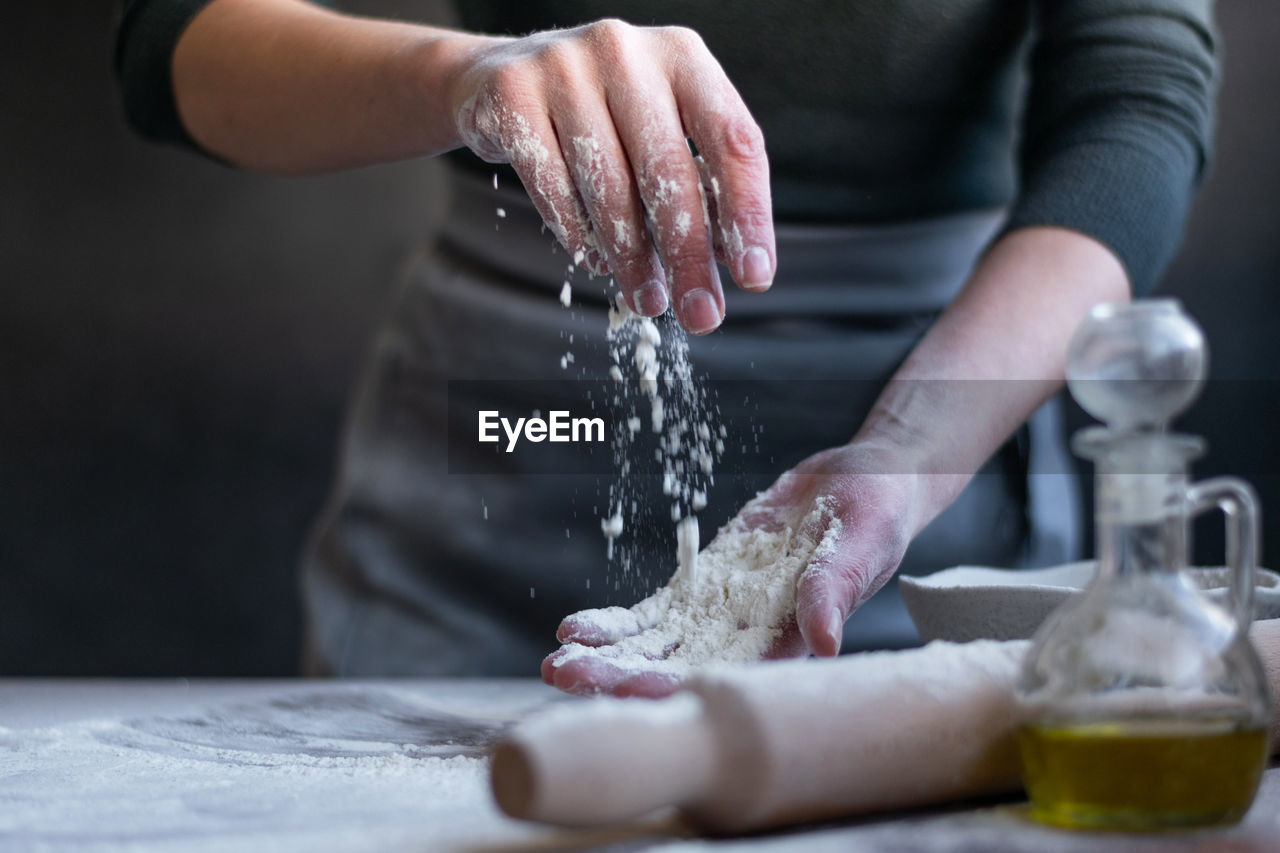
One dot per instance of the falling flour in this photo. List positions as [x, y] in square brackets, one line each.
[687, 539]
[678, 414]
[612, 529]
[728, 603]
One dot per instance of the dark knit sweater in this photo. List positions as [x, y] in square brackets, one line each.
[1093, 115]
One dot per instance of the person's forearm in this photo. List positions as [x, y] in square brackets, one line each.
[994, 356]
[285, 86]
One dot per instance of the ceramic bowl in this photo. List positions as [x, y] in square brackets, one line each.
[972, 602]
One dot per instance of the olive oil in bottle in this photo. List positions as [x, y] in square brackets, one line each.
[1146, 706]
[1142, 774]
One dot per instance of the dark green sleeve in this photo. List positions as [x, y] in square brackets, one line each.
[148, 33]
[1118, 123]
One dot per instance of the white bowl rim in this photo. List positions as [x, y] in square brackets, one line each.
[992, 577]
[1063, 578]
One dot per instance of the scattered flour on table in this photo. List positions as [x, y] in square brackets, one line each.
[335, 767]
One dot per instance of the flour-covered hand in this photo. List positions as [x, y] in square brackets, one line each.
[877, 498]
[595, 120]
[777, 581]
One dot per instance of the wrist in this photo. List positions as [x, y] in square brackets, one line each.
[432, 74]
[934, 481]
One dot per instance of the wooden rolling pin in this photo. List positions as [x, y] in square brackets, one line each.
[788, 742]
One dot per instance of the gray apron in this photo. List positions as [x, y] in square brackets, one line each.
[424, 564]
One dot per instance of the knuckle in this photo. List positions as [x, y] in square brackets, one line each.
[752, 217]
[627, 256]
[659, 154]
[684, 255]
[811, 591]
[854, 574]
[600, 179]
[562, 59]
[683, 39]
[743, 140]
[513, 82]
[609, 31]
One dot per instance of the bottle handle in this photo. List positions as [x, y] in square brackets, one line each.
[1239, 503]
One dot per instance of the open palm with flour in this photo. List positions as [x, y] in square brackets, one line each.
[777, 581]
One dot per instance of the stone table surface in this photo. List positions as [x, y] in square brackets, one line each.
[384, 765]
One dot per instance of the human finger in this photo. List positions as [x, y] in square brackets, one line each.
[737, 166]
[788, 644]
[599, 627]
[841, 577]
[647, 685]
[599, 167]
[587, 675]
[777, 506]
[650, 129]
[548, 667]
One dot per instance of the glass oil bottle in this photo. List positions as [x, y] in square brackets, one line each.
[1148, 706]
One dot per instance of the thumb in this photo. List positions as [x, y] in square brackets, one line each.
[837, 582]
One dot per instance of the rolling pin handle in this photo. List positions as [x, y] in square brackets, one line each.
[616, 761]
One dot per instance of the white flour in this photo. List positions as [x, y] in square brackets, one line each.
[729, 603]
[500, 134]
[687, 541]
[334, 767]
[730, 610]
[611, 527]
[677, 412]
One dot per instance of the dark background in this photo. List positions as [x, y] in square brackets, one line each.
[177, 340]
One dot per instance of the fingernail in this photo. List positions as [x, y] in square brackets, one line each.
[698, 311]
[757, 269]
[835, 627]
[651, 299]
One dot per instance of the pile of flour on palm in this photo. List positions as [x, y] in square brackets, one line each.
[728, 603]
[730, 609]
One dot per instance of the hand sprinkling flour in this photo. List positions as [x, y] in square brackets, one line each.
[594, 121]
[605, 158]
